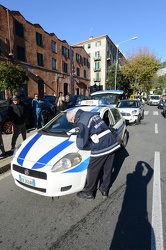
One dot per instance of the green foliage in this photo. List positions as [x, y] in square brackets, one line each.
[140, 69]
[12, 76]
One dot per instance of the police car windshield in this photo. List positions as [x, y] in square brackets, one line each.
[111, 98]
[58, 125]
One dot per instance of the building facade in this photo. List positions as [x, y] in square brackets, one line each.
[52, 64]
[103, 53]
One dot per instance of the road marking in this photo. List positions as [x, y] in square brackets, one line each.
[157, 227]
[146, 112]
[155, 113]
[156, 128]
[4, 175]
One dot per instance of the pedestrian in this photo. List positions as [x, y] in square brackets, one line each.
[37, 111]
[2, 148]
[67, 102]
[60, 103]
[93, 132]
[17, 115]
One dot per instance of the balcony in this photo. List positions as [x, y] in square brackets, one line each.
[97, 79]
[97, 69]
[97, 58]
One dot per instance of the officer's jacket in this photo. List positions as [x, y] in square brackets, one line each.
[95, 133]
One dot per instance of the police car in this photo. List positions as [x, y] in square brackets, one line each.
[111, 96]
[50, 164]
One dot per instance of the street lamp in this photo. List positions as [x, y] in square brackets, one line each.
[116, 59]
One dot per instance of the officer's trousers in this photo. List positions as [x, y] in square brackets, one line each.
[95, 166]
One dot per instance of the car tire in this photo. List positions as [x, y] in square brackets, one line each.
[125, 139]
[142, 116]
[138, 121]
[7, 127]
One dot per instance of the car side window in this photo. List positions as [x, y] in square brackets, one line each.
[116, 114]
[108, 119]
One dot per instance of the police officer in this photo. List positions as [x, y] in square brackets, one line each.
[93, 131]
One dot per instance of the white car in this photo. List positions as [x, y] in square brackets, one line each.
[132, 111]
[50, 164]
[111, 96]
[153, 100]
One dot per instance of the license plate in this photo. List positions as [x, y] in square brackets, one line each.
[27, 181]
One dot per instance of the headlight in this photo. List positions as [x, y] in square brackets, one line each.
[134, 112]
[68, 161]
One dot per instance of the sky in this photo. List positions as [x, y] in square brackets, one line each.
[75, 21]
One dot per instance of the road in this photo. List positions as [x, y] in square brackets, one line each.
[131, 218]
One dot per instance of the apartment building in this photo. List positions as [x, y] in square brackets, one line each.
[102, 52]
[52, 64]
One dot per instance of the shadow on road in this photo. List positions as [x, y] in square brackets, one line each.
[133, 230]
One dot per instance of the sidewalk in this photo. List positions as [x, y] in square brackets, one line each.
[5, 162]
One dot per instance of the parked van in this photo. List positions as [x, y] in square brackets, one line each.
[153, 100]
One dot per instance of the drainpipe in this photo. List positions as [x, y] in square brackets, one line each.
[10, 47]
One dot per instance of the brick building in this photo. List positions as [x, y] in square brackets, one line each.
[52, 64]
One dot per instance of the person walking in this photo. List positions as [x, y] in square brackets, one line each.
[93, 132]
[17, 115]
[2, 148]
[37, 111]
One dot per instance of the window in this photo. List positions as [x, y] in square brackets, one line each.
[116, 115]
[77, 57]
[89, 45]
[98, 43]
[65, 68]
[20, 53]
[85, 62]
[53, 46]
[65, 52]
[39, 41]
[53, 63]
[78, 71]
[40, 59]
[19, 29]
[97, 65]
[97, 54]
[97, 76]
[84, 73]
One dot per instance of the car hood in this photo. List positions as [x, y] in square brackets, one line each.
[40, 150]
[128, 110]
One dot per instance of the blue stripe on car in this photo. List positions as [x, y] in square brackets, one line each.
[81, 167]
[52, 153]
[26, 149]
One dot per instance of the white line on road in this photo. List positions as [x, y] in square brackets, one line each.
[155, 113]
[157, 227]
[146, 112]
[156, 128]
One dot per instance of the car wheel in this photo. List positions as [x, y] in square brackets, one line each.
[142, 116]
[7, 127]
[138, 121]
[125, 139]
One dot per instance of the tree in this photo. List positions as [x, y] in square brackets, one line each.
[140, 69]
[12, 76]
[122, 82]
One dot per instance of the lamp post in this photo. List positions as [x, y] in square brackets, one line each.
[116, 59]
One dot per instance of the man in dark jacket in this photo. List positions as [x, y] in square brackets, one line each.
[17, 115]
[93, 132]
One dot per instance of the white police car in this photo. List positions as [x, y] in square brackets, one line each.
[111, 96]
[50, 164]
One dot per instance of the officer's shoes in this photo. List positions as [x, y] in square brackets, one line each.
[85, 195]
[104, 193]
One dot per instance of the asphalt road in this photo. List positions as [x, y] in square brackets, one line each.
[131, 218]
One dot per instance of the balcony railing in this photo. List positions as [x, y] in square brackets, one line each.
[97, 58]
[97, 69]
[96, 79]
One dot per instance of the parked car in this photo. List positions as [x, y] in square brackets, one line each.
[164, 109]
[131, 110]
[47, 108]
[111, 96]
[161, 103]
[153, 100]
[50, 164]
[75, 99]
